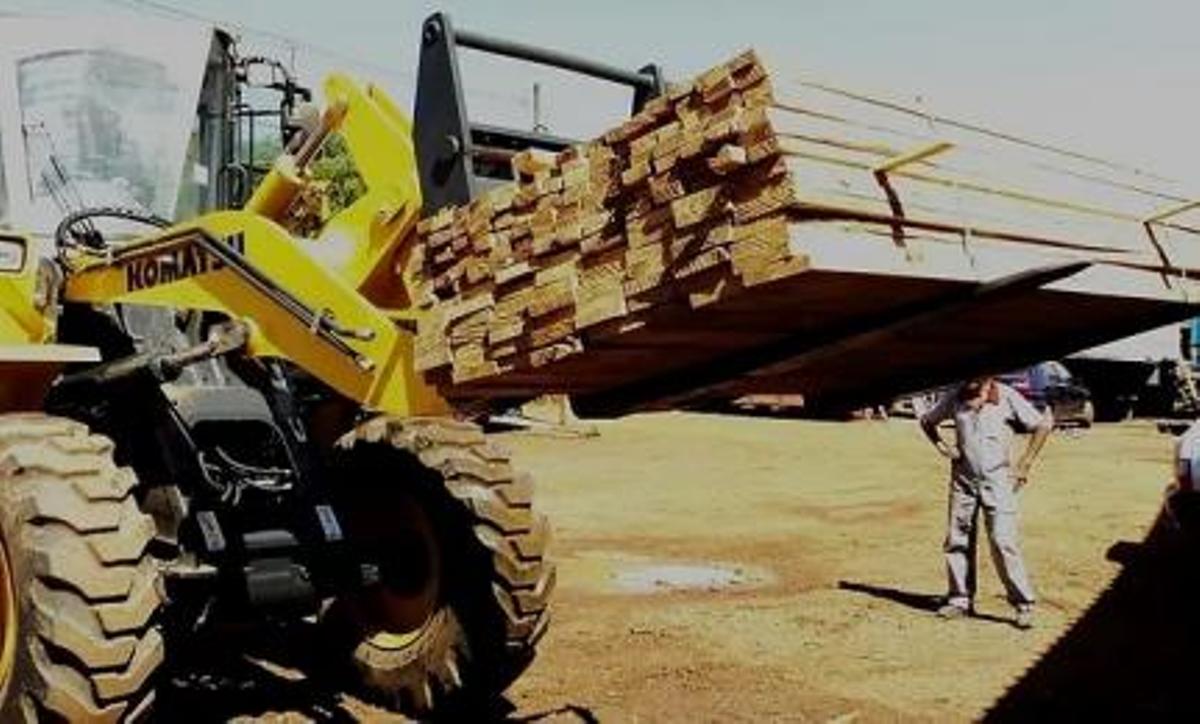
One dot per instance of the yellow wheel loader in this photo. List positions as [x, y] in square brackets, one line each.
[217, 419]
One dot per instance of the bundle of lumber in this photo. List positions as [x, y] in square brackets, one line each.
[609, 228]
[692, 207]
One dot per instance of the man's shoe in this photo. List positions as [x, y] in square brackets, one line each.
[951, 611]
[1024, 618]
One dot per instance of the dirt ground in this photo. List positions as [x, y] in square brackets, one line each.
[843, 523]
[736, 569]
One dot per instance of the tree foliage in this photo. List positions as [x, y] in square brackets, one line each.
[334, 170]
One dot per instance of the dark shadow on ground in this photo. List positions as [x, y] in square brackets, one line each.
[788, 407]
[221, 674]
[1133, 655]
[251, 672]
[581, 713]
[921, 601]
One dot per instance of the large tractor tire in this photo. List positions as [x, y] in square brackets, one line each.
[78, 590]
[462, 595]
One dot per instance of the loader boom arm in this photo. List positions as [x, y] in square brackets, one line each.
[320, 303]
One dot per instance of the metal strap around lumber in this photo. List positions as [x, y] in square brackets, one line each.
[915, 156]
[1126, 184]
[707, 379]
[1171, 212]
[974, 128]
[1159, 217]
[895, 163]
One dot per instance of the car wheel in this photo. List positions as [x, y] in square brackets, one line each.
[1088, 415]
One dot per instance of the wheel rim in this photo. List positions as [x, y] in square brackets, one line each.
[401, 607]
[8, 620]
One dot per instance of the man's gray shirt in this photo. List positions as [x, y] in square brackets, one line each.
[985, 435]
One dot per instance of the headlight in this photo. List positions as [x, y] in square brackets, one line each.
[12, 253]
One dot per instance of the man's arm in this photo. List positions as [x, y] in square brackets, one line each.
[930, 421]
[1036, 440]
[1040, 424]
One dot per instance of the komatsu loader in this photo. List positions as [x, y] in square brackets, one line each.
[218, 420]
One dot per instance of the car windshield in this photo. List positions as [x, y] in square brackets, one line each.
[1055, 373]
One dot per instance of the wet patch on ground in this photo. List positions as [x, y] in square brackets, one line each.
[626, 573]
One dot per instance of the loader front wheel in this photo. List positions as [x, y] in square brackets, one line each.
[462, 579]
[79, 590]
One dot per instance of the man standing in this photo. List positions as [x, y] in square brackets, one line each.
[985, 412]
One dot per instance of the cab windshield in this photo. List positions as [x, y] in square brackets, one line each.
[98, 111]
[92, 122]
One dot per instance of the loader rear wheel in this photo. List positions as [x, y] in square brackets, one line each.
[462, 603]
[80, 591]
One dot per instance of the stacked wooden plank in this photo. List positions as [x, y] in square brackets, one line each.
[685, 200]
[696, 201]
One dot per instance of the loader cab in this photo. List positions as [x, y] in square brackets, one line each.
[160, 116]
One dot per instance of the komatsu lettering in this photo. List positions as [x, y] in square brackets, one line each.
[186, 260]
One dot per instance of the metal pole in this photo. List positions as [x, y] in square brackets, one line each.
[543, 56]
[538, 126]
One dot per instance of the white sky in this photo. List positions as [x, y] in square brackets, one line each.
[1116, 79]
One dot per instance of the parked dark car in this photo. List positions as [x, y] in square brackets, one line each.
[1050, 385]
